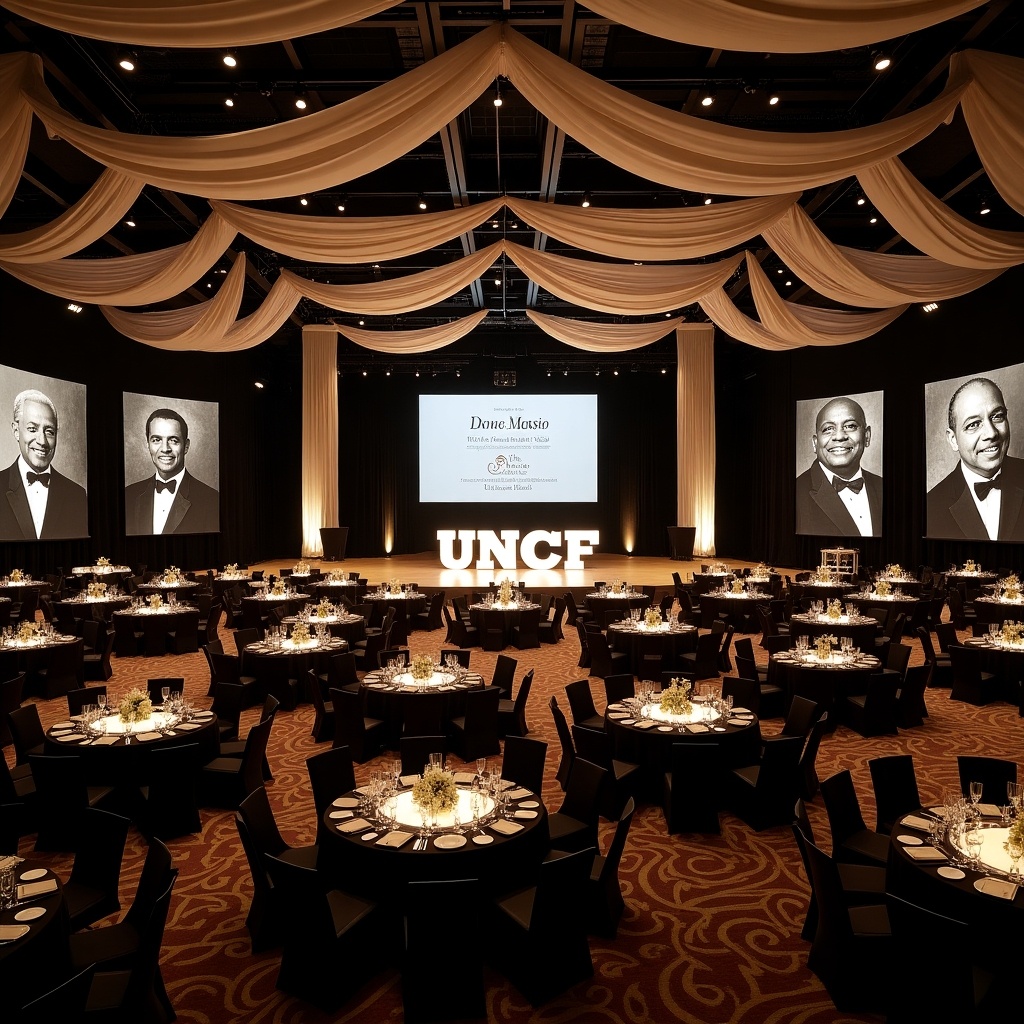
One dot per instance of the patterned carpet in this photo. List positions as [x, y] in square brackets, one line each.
[712, 927]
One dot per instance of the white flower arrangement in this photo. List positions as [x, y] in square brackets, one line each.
[301, 568]
[17, 576]
[300, 633]
[1013, 633]
[761, 570]
[27, 631]
[834, 610]
[336, 576]
[96, 590]
[422, 666]
[435, 791]
[894, 571]
[231, 569]
[324, 609]
[823, 646]
[155, 601]
[135, 706]
[505, 591]
[676, 699]
[277, 589]
[971, 566]
[102, 562]
[652, 618]
[883, 588]
[172, 574]
[1010, 587]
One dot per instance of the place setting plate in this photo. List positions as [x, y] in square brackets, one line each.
[29, 914]
[32, 875]
[483, 839]
[948, 872]
[909, 840]
[450, 841]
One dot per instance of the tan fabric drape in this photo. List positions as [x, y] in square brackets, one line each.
[353, 239]
[720, 308]
[306, 154]
[403, 294]
[403, 343]
[931, 226]
[695, 433]
[136, 280]
[15, 127]
[319, 435]
[782, 26]
[618, 287]
[865, 278]
[691, 153]
[591, 337]
[675, 234]
[197, 22]
[811, 325]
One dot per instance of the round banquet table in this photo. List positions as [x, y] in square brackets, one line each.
[825, 683]
[1006, 662]
[255, 609]
[350, 628]
[997, 924]
[412, 601]
[379, 872]
[736, 610]
[333, 589]
[264, 660]
[109, 761]
[861, 629]
[223, 582]
[610, 607]
[809, 591]
[974, 580]
[118, 572]
[150, 629]
[670, 639]
[510, 615]
[30, 657]
[648, 742]
[388, 702]
[908, 587]
[705, 581]
[38, 961]
[166, 589]
[17, 591]
[998, 609]
[99, 608]
[867, 599]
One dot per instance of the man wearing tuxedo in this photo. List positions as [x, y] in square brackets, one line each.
[38, 502]
[835, 497]
[172, 500]
[983, 497]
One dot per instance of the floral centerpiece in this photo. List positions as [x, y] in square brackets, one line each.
[435, 791]
[717, 567]
[300, 633]
[1012, 633]
[336, 576]
[737, 586]
[155, 600]
[324, 610]
[172, 575]
[277, 588]
[96, 590]
[883, 588]
[971, 566]
[27, 631]
[17, 576]
[823, 574]
[301, 568]
[823, 646]
[231, 569]
[394, 586]
[652, 618]
[894, 571]
[135, 706]
[102, 562]
[1010, 587]
[762, 571]
[422, 666]
[676, 699]
[505, 591]
[834, 610]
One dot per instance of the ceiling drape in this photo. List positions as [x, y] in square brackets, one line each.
[428, 339]
[591, 337]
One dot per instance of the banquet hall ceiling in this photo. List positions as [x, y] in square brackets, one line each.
[488, 150]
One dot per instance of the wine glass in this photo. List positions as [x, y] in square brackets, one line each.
[976, 791]
[481, 767]
[973, 839]
[1015, 849]
[1013, 795]
[165, 692]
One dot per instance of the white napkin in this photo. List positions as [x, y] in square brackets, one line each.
[913, 821]
[464, 778]
[697, 727]
[395, 839]
[355, 825]
[506, 828]
[525, 814]
[408, 780]
[924, 853]
[30, 889]
[646, 724]
[996, 887]
[148, 736]
[989, 810]
[519, 794]
[618, 714]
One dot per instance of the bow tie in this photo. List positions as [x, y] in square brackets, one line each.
[43, 478]
[166, 485]
[855, 485]
[981, 488]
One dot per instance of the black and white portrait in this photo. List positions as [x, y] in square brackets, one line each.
[44, 454]
[839, 465]
[974, 463]
[171, 465]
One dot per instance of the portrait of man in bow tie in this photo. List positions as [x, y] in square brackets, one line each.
[171, 499]
[39, 503]
[982, 497]
[836, 496]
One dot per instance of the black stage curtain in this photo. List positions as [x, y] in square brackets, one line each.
[757, 392]
[261, 435]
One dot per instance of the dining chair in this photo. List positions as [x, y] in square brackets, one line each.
[170, 810]
[745, 693]
[911, 710]
[702, 663]
[67, 1000]
[872, 713]
[808, 768]
[227, 668]
[763, 794]
[540, 934]
[11, 691]
[341, 673]
[852, 841]
[363, 736]
[691, 789]
[581, 705]
[941, 666]
[603, 660]
[77, 699]
[329, 949]
[504, 674]
[971, 683]
[227, 781]
[244, 637]
[574, 825]
[331, 774]
[992, 772]
[91, 893]
[96, 663]
[263, 919]
[227, 706]
[26, 732]
[431, 618]
[550, 630]
[475, 734]
[522, 762]
[512, 713]
[525, 634]
[423, 713]
[208, 627]
[274, 677]
[574, 613]
[605, 904]
[622, 777]
[583, 636]
[415, 752]
[174, 684]
[894, 782]
[565, 741]
[258, 816]
[724, 664]
[619, 687]
[323, 711]
[64, 671]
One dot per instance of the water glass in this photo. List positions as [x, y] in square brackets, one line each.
[8, 888]
[976, 791]
[973, 839]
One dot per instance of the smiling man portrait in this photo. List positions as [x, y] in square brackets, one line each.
[835, 496]
[171, 500]
[39, 503]
[983, 497]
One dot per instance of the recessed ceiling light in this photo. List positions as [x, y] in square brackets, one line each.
[422, 202]
[304, 201]
[585, 202]
[707, 200]
[773, 100]
[127, 62]
[341, 207]
[259, 385]
[880, 61]
[300, 101]
[984, 210]
[930, 307]
[860, 200]
[362, 322]
[130, 223]
[789, 284]
[229, 102]
[229, 60]
[874, 220]
[707, 99]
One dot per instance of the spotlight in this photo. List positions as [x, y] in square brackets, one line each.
[985, 209]
[300, 101]
[74, 307]
[773, 100]
[497, 279]
[421, 202]
[597, 373]
[789, 284]
[780, 271]
[707, 99]
[495, 224]
[880, 61]
[669, 314]
[341, 207]
[229, 102]
[565, 372]
[861, 200]
[549, 373]
[664, 370]
[387, 372]
[229, 59]
[930, 307]
[362, 322]
[303, 201]
[615, 373]
[458, 373]
[130, 223]
[259, 385]
[707, 200]
[364, 373]
[417, 373]
[874, 220]
[586, 200]
[497, 94]
[127, 62]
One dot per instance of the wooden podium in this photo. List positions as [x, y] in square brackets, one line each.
[333, 540]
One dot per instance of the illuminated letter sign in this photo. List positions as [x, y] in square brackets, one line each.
[490, 548]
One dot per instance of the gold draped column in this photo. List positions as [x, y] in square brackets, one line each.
[695, 433]
[319, 435]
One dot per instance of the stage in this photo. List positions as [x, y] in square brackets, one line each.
[425, 570]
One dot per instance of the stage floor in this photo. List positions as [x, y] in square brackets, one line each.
[426, 570]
